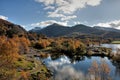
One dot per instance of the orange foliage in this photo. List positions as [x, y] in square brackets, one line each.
[24, 75]
[23, 44]
[8, 54]
[8, 50]
[42, 43]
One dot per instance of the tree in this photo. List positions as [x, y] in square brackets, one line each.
[42, 43]
[8, 54]
[23, 44]
[25, 75]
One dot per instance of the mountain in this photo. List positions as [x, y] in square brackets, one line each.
[107, 29]
[9, 29]
[85, 29]
[36, 29]
[53, 30]
[56, 30]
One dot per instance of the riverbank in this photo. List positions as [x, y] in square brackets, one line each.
[29, 68]
[115, 42]
[41, 71]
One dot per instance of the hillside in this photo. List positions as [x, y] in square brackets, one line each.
[53, 30]
[9, 29]
[56, 30]
[107, 29]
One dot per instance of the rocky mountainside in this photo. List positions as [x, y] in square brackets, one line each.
[9, 29]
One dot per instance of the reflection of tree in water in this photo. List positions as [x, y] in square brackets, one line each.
[99, 71]
[56, 56]
[75, 58]
[116, 62]
[117, 66]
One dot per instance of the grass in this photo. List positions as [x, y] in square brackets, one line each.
[116, 42]
[33, 67]
[22, 63]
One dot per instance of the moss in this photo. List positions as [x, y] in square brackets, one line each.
[41, 74]
[24, 64]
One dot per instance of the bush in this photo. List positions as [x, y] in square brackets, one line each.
[41, 44]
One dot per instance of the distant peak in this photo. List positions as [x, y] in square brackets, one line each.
[80, 25]
[56, 24]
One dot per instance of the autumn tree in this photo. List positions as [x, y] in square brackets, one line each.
[73, 46]
[8, 54]
[42, 43]
[23, 44]
[25, 75]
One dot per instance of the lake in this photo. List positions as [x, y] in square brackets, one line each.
[65, 68]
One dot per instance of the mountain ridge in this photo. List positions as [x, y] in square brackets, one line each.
[56, 30]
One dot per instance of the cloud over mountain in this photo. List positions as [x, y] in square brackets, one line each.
[113, 24]
[47, 23]
[3, 17]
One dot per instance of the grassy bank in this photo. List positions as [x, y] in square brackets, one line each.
[115, 42]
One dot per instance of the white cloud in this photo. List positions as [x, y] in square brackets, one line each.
[3, 17]
[67, 7]
[113, 24]
[93, 2]
[64, 72]
[65, 18]
[49, 7]
[54, 14]
[102, 24]
[46, 2]
[70, 73]
[47, 23]
[77, 22]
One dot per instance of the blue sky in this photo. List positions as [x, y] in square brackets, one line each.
[40, 13]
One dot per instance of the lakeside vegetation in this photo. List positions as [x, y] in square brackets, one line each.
[115, 42]
[14, 64]
[17, 55]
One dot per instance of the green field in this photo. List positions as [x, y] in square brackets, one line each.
[116, 42]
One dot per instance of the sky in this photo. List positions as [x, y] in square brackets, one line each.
[41, 13]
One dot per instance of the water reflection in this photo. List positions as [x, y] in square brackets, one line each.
[73, 58]
[76, 67]
[117, 70]
[64, 69]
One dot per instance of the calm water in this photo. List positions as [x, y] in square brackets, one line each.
[65, 68]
